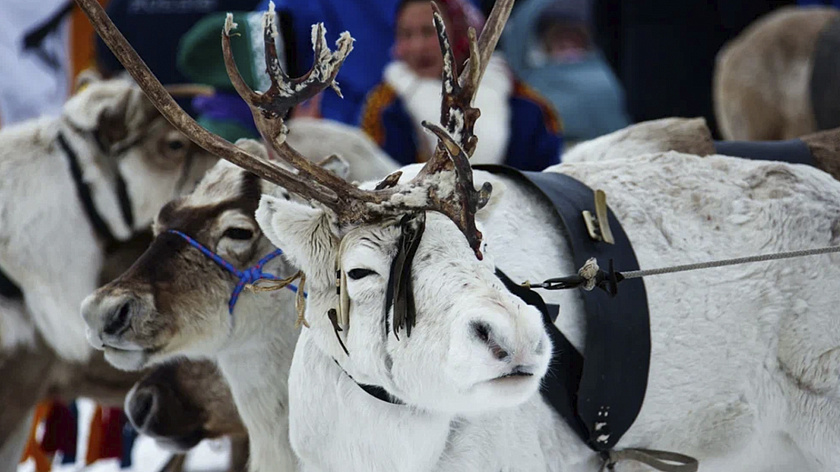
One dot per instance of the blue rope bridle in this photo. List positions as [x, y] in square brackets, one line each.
[246, 276]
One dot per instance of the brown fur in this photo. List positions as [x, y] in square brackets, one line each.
[825, 147]
[32, 375]
[179, 289]
[182, 402]
[688, 135]
[762, 77]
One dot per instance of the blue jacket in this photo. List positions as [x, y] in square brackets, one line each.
[586, 92]
[535, 142]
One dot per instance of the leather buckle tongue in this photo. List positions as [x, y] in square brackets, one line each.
[598, 225]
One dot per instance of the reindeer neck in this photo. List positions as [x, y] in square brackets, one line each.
[365, 433]
[256, 363]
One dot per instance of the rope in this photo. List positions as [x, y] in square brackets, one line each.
[590, 275]
[634, 274]
[247, 277]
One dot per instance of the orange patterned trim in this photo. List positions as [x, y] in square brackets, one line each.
[377, 100]
[43, 462]
[552, 119]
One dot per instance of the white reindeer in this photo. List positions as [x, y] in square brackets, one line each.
[47, 245]
[743, 368]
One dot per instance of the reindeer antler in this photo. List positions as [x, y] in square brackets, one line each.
[432, 189]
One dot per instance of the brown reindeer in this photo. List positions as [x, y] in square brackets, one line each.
[762, 79]
[179, 404]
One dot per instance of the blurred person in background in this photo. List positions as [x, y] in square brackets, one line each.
[549, 45]
[517, 126]
[34, 52]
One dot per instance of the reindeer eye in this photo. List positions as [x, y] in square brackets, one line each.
[357, 274]
[238, 233]
[175, 145]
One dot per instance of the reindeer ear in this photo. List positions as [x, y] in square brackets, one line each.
[252, 146]
[306, 234]
[85, 78]
[337, 165]
[498, 193]
[112, 126]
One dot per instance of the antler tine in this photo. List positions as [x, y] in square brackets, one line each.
[458, 116]
[461, 204]
[272, 61]
[242, 88]
[456, 113]
[269, 108]
[490, 35]
[161, 99]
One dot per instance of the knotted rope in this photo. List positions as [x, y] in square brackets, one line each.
[247, 277]
[590, 275]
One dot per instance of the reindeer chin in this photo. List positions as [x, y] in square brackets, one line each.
[126, 360]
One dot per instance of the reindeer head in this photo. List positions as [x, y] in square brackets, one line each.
[113, 121]
[449, 336]
[179, 404]
[418, 311]
[175, 300]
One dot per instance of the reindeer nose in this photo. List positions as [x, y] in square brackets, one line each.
[139, 407]
[484, 333]
[119, 320]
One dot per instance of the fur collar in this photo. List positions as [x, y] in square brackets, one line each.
[422, 101]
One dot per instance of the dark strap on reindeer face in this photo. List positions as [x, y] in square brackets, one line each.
[400, 293]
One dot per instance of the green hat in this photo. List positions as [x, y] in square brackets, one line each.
[200, 59]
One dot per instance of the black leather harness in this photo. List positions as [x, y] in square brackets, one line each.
[86, 198]
[598, 395]
[825, 94]
[793, 151]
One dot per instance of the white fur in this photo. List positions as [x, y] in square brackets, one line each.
[744, 368]
[319, 138]
[46, 242]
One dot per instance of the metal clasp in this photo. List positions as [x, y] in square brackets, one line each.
[598, 226]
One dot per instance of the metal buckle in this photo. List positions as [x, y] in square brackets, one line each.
[598, 226]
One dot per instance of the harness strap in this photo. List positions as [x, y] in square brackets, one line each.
[608, 389]
[373, 390]
[793, 151]
[9, 289]
[246, 276]
[660, 460]
[85, 197]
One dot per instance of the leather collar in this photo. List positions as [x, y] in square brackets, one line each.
[83, 192]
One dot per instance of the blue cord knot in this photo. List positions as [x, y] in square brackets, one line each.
[246, 277]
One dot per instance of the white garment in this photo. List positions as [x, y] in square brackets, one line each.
[28, 87]
[422, 97]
